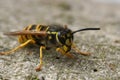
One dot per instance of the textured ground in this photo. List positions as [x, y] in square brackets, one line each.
[104, 45]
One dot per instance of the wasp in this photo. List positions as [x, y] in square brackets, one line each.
[50, 36]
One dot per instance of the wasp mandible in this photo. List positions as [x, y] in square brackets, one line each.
[47, 37]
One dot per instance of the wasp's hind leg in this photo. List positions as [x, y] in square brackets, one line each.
[18, 47]
[40, 64]
[78, 51]
[63, 52]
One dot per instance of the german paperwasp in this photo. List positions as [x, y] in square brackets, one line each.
[47, 37]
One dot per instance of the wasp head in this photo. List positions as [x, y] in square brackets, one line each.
[65, 38]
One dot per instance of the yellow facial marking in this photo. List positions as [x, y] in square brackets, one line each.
[68, 42]
[65, 48]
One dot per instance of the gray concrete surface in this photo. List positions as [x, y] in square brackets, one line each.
[103, 64]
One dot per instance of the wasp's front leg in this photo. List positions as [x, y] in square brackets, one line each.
[78, 51]
[64, 53]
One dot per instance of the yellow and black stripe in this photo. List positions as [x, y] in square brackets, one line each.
[24, 38]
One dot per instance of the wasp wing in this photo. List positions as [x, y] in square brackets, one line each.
[24, 32]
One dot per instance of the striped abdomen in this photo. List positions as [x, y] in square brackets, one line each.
[39, 39]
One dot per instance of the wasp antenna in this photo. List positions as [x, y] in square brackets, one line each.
[85, 29]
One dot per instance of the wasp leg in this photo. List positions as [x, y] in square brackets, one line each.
[78, 51]
[63, 52]
[40, 64]
[16, 48]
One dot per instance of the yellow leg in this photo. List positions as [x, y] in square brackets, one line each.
[40, 64]
[78, 51]
[16, 48]
[63, 52]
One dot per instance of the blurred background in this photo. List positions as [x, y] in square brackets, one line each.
[77, 14]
